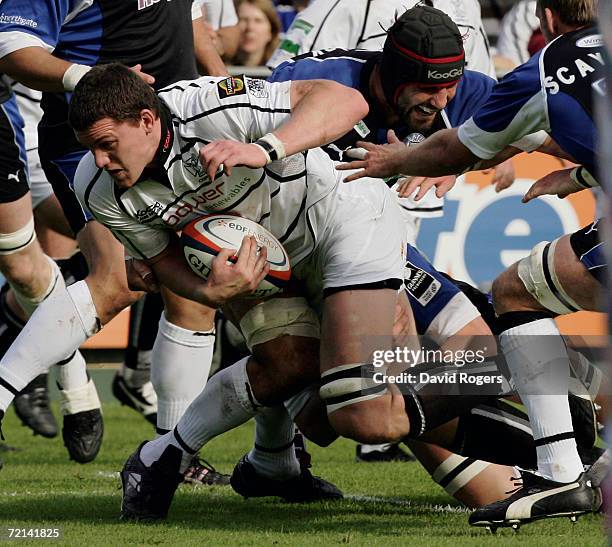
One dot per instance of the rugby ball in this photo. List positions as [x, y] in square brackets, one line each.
[204, 237]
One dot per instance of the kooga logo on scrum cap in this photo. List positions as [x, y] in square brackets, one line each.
[454, 73]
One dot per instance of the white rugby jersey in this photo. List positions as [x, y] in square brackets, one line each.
[178, 190]
[515, 31]
[362, 24]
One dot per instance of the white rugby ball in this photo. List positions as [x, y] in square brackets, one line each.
[204, 237]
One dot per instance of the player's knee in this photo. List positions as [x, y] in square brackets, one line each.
[286, 365]
[502, 291]
[360, 407]
[23, 271]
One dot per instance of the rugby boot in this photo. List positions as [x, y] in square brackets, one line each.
[148, 491]
[83, 426]
[201, 472]
[539, 498]
[33, 409]
[142, 399]
[391, 452]
[303, 488]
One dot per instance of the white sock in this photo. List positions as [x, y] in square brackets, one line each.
[180, 365]
[538, 362]
[139, 376]
[72, 374]
[59, 325]
[273, 455]
[225, 403]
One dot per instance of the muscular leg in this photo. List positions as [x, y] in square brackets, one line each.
[539, 364]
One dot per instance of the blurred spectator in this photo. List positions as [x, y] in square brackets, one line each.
[362, 24]
[518, 36]
[259, 32]
[222, 24]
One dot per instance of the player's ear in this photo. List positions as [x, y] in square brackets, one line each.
[148, 118]
[551, 21]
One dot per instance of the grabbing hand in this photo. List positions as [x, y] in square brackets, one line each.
[379, 161]
[242, 276]
[409, 184]
[230, 154]
[503, 175]
[558, 183]
[146, 78]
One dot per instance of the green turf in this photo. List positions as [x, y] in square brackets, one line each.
[40, 488]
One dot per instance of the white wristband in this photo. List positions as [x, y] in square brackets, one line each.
[582, 178]
[73, 74]
[272, 145]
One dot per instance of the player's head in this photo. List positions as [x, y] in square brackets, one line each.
[422, 62]
[115, 114]
[559, 16]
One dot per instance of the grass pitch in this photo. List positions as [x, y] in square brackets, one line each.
[387, 504]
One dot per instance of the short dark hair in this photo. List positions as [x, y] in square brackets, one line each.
[110, 91]
[577, 13]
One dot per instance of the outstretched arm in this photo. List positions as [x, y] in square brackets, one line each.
[321, 111]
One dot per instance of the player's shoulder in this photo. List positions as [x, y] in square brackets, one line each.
[90, 180]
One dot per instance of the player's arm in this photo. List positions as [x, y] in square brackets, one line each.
[561, 183]
[206, 53]
[310, 124]
[226, 280]
[36, 68]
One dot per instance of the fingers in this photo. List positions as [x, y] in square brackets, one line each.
[402, 189]
[392, 137]
[356, 176]
[357, 164]
[226, 255]
[356, 153]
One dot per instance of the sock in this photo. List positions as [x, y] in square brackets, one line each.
[225, 403]
[181, 362]
[58, 326]
[538, 361]
[144, 318]
[366, 448]
[72, 372]
[273, 455]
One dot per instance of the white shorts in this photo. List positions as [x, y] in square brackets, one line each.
[362, 241]
[39, 185]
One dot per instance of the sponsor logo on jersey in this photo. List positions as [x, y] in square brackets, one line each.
[257, 88]
[302, 25]
[421, 285]
[194, 167]
[289, 47]
[454, 73]
[149, 213]
[566, 75]
[414, 138]
[230, 87]
[362, 129]
[17, 20]
[143, 4]
[595, 40]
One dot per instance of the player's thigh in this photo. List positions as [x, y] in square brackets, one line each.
[282, 333]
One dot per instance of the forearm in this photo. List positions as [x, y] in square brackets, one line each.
[229, 38]
[35, 68]
[439, 155]
[321, 112]
[173, 273]
[209, 61]
[505, 154]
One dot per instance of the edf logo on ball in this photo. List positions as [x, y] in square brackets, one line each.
[483, 232]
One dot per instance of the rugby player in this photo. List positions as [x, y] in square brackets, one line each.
[49, 46]
[551, 92]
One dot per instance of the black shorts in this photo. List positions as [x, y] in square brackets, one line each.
[588, 247]
[13, 157]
